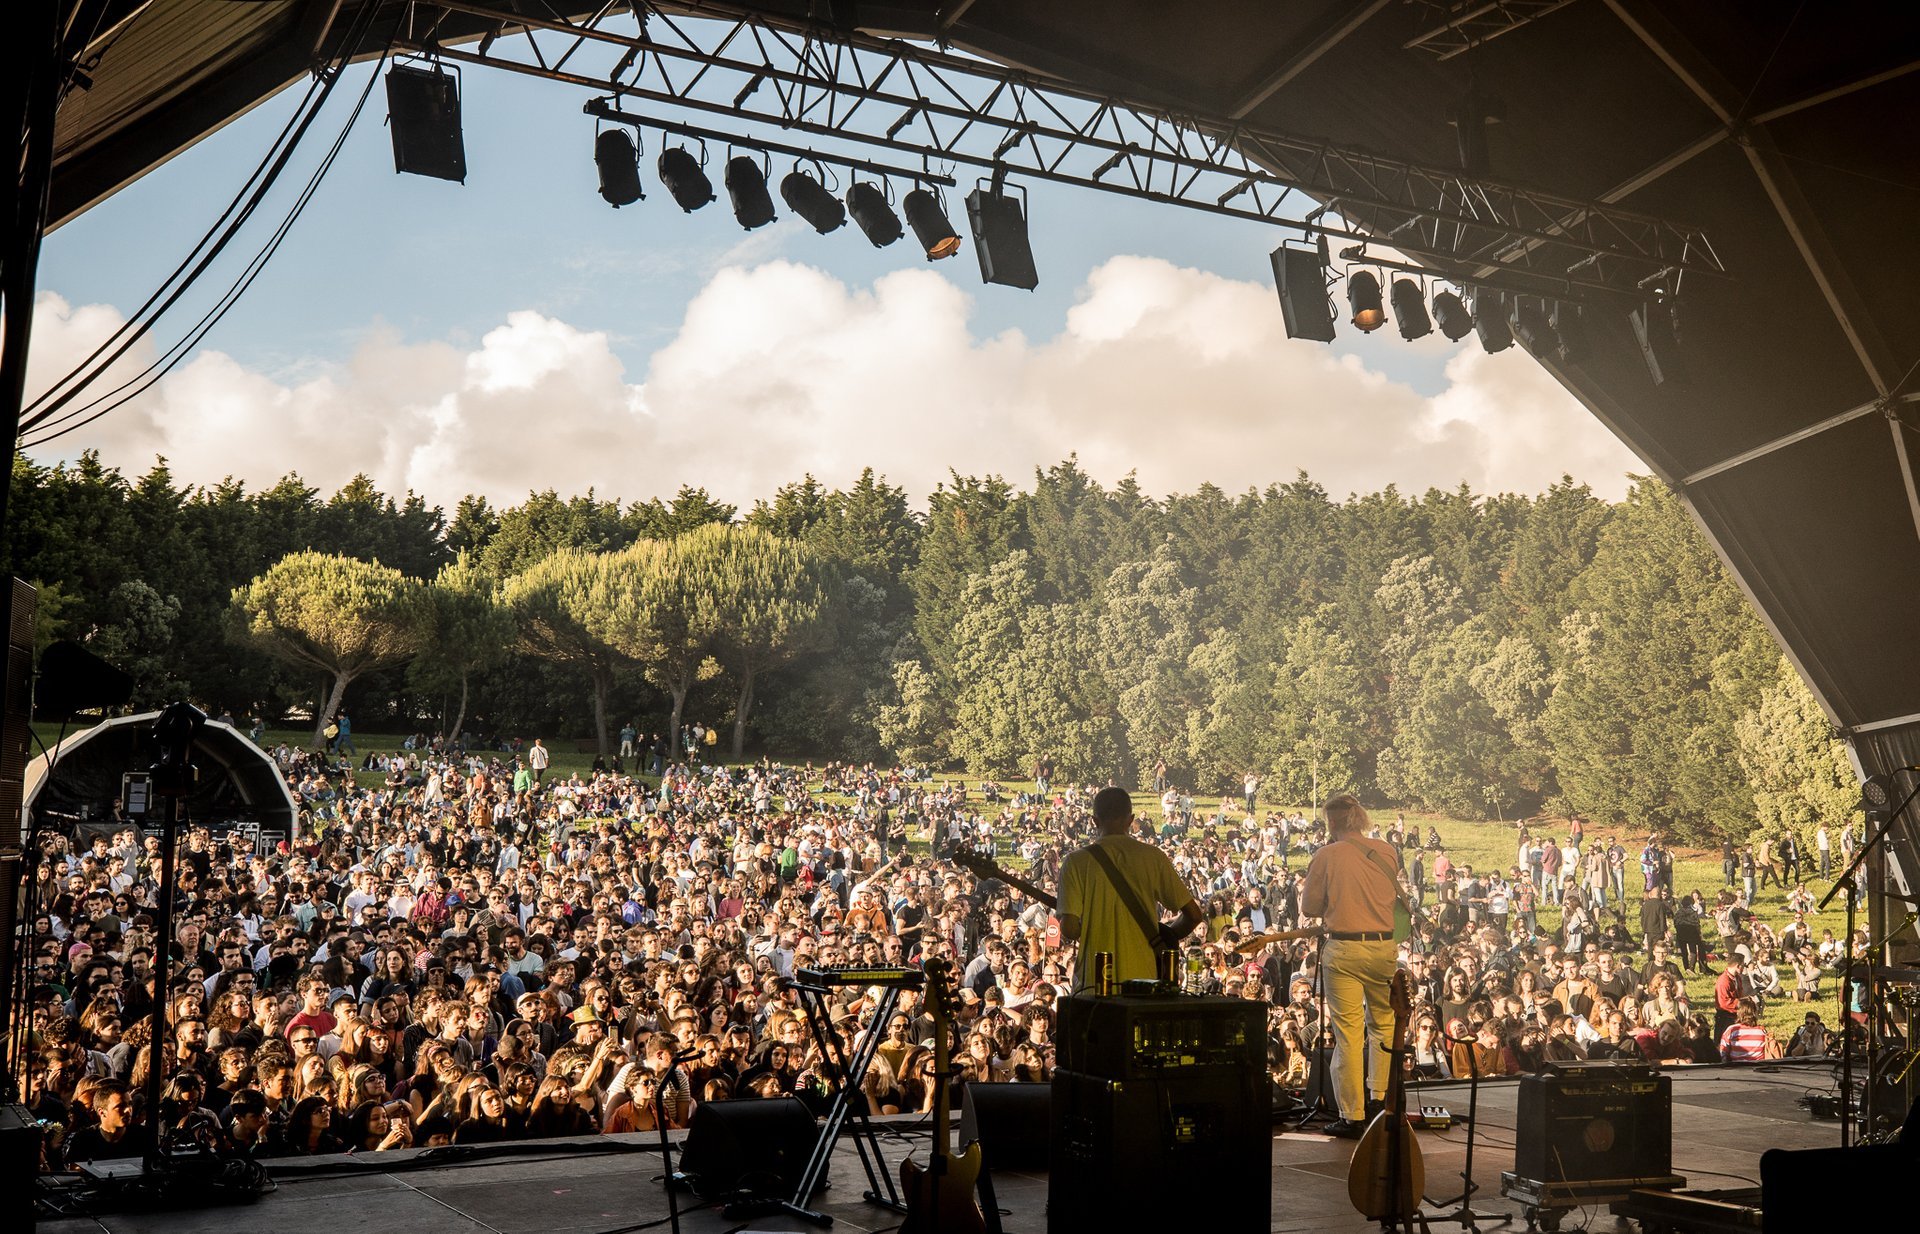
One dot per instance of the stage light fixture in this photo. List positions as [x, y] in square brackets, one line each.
[1456, 321]
[619, 163]
[1659, 336]
[1490, 320]
[682, 175]
[930, 225]
[423, 110]
[867, 203]
[747, 189]
[809, 199]
[1571, 325]
[1410, 310]
[1530, 326]
[999, 225]
[1300, 276]
[1363, 297]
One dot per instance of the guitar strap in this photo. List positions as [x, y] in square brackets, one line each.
[1148, 924]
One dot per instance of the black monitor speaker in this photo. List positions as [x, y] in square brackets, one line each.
[1301, 277]
[757, 1146]
[1009, 1122]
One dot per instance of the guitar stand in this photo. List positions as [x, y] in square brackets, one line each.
[853, 1072]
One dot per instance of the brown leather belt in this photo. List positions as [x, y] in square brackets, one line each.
[1365, 936]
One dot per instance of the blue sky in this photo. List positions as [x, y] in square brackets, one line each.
[387, 263]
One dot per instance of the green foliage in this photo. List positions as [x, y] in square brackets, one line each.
[1800, 774]
[561, 605]
[913, 725]
[467, 631]
[1319, 707]
[338, 615]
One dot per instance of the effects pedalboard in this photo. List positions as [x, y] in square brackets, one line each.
[1431, 1118]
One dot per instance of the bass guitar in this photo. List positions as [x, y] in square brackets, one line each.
[1386, 1176]
[940, 1195]
[984, 868]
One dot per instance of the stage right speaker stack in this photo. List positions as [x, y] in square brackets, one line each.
[1157, 1100]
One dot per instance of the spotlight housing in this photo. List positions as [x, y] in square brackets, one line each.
[999, 226]
[1659, 335]
[867, 203]
[747, 189]
[930, 225]
[1490, 320]
[619, 163]
[682, 175]
[1531, 327]
[809, 199]
[1300, 276]
[1363, 297]
[1456, 320]
[1571, 325]
[1410, 310]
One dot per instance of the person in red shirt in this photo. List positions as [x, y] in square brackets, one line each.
[313, 1009]
[1729, 990]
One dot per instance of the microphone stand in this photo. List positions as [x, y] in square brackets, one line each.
[1465, 1216]
[670, 1180]
[1846, 880]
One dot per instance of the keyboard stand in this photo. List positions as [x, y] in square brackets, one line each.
[853, 1072]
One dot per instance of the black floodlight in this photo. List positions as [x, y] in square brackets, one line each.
[747, 189]
[999, 225]
[1410, 310]
[930, 225]
[682, 175]
[1531, 327]
[423, 110]
[1659, 335]
[1571, 325]
[1300, 276]
[1456, 321]
[867, 203]
[1490, 320]
[1363, 297]
[809, 199]
[619, 163]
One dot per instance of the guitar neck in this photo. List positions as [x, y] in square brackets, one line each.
[987, 869]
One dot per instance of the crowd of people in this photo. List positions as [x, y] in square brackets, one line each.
[468, 950]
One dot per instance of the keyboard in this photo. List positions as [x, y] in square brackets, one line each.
[861, 974]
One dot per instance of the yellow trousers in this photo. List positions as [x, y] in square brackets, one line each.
[1357, 977]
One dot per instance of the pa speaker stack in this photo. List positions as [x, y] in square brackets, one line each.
[1158, 1099]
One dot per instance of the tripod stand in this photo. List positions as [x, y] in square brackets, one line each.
[1465, 1216]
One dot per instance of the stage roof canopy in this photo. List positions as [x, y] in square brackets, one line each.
[79, 779]
[1782, 129]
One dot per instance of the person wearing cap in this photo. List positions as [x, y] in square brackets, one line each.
[1095, 914]
[1351, 886]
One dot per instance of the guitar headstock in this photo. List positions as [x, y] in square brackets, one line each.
[976, 864]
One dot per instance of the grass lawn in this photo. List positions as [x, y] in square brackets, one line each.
[1484, 845]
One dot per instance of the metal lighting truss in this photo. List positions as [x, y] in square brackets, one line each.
[1463, 25]
[949, 110]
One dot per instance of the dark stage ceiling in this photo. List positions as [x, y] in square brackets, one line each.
[1782, 129]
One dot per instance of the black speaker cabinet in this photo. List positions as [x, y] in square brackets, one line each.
[753, 1145]
[1010, 1123]
[1823, 1188]
[1152, 1154]
[423, 110]
[1139, 1038]
[1595, 1124]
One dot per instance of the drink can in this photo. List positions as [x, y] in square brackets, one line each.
[1103, 973]
[1168, 962]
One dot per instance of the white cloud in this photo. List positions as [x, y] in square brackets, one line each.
[780, 368]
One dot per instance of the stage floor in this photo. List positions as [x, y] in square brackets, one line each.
[1723, 1119]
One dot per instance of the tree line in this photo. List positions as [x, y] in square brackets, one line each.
[1482, 655]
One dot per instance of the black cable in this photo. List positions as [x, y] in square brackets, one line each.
[251, 193]
[154, 372]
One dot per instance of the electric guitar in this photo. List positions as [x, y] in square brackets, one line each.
[1386, 1176]
[940, 1195]
[986, 869]
[1277, 936]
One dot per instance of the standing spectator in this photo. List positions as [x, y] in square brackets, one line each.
[1823, 847]
[538, 759]
[1730, 990]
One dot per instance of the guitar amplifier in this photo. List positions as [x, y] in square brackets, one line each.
[1600, 1122]
[1188, 1150]
[1133, 1038]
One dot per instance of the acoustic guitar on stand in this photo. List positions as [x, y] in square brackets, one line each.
[1386, 1176]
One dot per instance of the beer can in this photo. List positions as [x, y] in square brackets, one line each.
[1103, 973]
[1168, 962]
